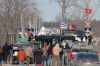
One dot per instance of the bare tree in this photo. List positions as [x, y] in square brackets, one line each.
[73, 9]
[12, 16]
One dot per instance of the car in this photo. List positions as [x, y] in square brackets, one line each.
[85, 57]
[79, 35]
[56, 37]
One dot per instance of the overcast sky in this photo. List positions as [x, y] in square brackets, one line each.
[50, 10]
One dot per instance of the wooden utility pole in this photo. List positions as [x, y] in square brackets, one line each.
[62, 9]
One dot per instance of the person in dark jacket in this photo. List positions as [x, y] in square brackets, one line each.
[38, 56]
[50, 55]
[6, 49]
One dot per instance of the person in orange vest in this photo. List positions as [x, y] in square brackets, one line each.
[21, 56]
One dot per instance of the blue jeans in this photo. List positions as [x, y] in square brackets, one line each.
[44, 62]
[21, 63]
[49, 61]
[63, 59]
[1, 61]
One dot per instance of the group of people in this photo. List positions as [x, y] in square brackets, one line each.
[47, 55]
[51, 54]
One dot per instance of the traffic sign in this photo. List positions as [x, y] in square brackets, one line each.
[63, 25]
[87, 24]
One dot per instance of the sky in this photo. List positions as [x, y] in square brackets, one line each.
[49, 10]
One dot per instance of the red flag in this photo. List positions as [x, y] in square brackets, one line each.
[88, 11]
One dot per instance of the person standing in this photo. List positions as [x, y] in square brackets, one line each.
[1, 55]
[56, 55]
[6, 49]
[21, 57]
[38, 57]
[70, 57]
[45, 49]
[29, 54]
[49, 55]
[64, 46]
